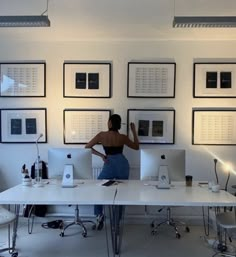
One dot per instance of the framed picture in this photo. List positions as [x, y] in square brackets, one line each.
[81, 125]
[23, 79]
[151, 79]
[216, 80]
[87, 79]
[213, 126]
[23, 125]
[154, 126]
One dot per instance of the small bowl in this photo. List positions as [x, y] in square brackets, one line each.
[215, 188]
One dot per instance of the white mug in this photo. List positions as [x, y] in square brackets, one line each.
[215, 188]
[210, 184]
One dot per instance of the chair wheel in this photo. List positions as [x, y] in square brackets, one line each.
[222, 248]
[15, 254]
[178, 235]
[62, 234]
[93, 227]
[187, 229]
[153, 232]
[84, 234]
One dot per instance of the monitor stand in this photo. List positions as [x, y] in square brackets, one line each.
[68, 180]
[163, 177]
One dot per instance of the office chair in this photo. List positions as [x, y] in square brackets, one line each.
[8, 218]
[168, 221]
[226, 221]
[164, 182]
[77, 221]
[163, 165]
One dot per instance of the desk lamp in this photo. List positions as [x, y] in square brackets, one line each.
[228, 168]
[38, 165]
[217, 179]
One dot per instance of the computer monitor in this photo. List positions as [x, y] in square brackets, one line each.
[150, 161]
[80, 158]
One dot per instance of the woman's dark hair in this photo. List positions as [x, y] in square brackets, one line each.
[115, 122]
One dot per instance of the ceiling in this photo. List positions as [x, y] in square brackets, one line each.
[125, 20]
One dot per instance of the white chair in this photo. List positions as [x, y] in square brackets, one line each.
[8, 218]
[226, 222]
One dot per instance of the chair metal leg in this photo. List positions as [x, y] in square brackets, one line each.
[31, 216]
[12, 240]
[222, 247]
[79, 222]
[169, 221]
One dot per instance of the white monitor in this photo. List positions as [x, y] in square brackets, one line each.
[80, 158]
[150, 161]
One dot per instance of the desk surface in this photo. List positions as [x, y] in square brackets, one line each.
[129, 192]
[136, 192]
[85, 193]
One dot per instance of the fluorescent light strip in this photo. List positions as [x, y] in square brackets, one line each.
[24, 21]
[204, 22]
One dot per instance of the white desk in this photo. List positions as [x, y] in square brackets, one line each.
[136, 192]
[129, 192]
[87, 192]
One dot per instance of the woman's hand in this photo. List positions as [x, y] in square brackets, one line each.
[104, 158]
[136, 141]
[132, 127]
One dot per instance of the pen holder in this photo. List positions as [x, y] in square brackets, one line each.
[26, 181]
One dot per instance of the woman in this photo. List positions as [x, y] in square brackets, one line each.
[116, 165]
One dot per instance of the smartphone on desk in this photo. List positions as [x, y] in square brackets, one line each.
[109, 183]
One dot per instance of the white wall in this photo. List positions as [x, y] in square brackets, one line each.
[199, 162]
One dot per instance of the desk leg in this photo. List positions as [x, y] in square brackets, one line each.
[116, 214]
[15, 226]
[206, 220]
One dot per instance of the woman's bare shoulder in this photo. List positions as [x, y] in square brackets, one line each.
[102, 134]
[123, 137]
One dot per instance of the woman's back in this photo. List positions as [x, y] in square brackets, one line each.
[111, 138]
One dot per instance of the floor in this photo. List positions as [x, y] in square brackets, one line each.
[137, 242]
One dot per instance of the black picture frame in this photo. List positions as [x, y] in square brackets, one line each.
[151, 79]
[214, 80]
[81, 125]
[154, 126]
[87, 79]
[213, 126]
[23, 79]
[23, 125]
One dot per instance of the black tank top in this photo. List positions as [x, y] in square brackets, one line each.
[111, 150]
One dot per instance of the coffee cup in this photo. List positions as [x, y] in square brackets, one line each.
[210, 184]
[188, 180]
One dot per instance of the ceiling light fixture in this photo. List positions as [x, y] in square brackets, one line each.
[204, 22]
[25, 20]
